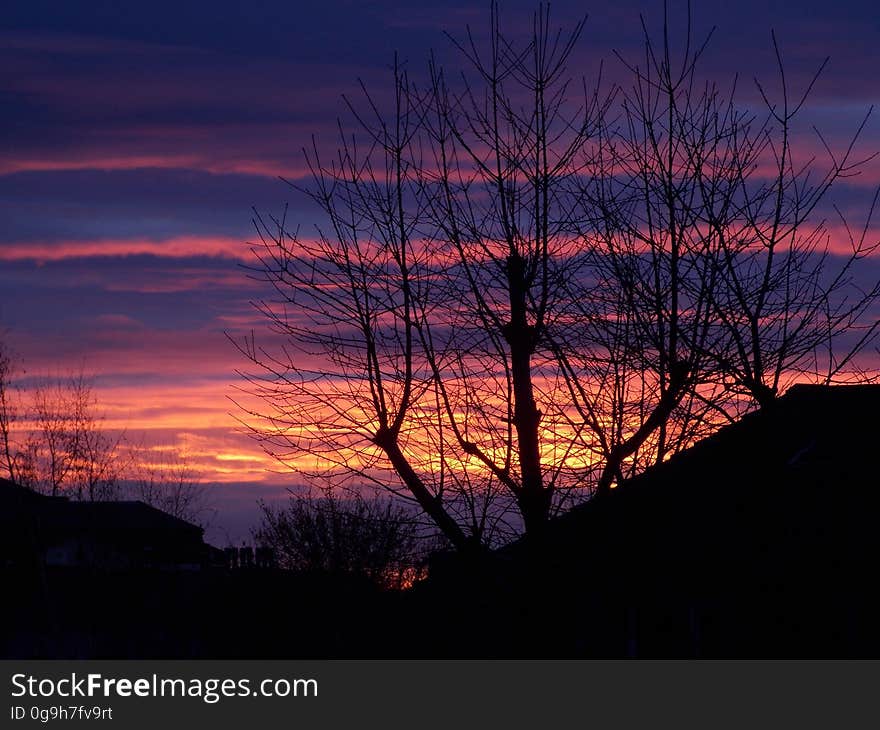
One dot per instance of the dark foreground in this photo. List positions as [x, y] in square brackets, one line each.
[761, 541]
[277, 615]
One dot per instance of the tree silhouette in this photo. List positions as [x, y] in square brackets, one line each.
[171, 483]
[8, 411]
[524, 289]
[708, 261]
[68, 449]
[54, 439]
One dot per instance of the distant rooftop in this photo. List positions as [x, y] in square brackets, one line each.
[16, 502]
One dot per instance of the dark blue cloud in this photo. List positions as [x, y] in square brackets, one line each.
[70, 296]
[149, 203]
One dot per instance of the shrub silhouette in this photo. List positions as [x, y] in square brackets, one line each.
[354, 536]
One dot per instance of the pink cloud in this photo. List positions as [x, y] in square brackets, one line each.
[174, 248]
[212, 162]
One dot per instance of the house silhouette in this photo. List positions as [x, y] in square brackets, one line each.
[54, 532]
[761, 540]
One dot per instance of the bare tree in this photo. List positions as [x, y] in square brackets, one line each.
[171, 484]
[96, 470]
[72, 451]
[642, 381]
[53, 438]
[505, 149]
[424, 305]
[524, 291]
[790, 298]
[711, 279]
[57, 441]
[8, 411]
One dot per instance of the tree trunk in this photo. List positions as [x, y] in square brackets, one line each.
[432, 506]
[533, 499]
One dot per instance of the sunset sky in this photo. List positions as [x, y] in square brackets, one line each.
[137, 137]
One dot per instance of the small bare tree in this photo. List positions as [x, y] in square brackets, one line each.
[8, 412]
[72, 450]
[53, 438]
[170, 482]
[57, 441]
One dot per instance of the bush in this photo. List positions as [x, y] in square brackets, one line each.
[354, 536]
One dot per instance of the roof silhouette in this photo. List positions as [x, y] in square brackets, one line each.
[761, 540]
[812, 438]
[128, 515]
[58, 512]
